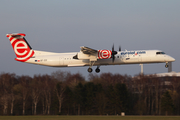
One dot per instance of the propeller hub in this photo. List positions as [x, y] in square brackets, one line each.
[113, 53]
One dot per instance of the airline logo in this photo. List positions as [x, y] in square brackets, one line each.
[21, 48]
[133, 52]
[104, 54]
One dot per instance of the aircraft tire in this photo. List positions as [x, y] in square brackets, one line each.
[97, 70]
[90, 70]
[166, 65]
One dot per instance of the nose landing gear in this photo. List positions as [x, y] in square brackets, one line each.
[166, 65]
[169, 66]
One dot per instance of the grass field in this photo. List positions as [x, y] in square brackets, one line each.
[89, 118]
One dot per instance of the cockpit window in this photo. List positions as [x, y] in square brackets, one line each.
[158, 53]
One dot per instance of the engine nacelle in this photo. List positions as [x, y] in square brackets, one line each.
[104, 54]
[101, 54]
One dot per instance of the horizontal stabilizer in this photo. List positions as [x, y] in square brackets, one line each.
[16, 35]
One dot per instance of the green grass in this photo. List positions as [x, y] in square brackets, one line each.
[89, 118]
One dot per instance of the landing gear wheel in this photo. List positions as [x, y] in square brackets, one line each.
[90, 70]
[166, 65]
[97, 70]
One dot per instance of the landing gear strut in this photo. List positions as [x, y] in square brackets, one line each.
[90, 65]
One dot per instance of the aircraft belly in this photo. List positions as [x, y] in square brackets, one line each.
[76, 62]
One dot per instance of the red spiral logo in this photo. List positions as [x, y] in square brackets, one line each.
[21, 49]
[104, 54]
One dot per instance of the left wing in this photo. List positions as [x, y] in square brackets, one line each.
[88, 51]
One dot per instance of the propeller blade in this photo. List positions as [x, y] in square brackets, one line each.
[113, 47]
[113, 53]
[119, 48]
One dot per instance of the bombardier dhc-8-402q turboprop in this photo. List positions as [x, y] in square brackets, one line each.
[86, 56]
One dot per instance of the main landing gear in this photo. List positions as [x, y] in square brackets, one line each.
[90, 69]
[97, 69]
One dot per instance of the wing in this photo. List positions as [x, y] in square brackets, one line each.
[88, 51]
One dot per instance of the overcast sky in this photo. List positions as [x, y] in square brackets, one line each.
[65, 25]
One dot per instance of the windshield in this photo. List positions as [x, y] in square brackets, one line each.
[160, 53]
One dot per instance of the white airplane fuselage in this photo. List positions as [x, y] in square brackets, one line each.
[123, 57]
[86, 57]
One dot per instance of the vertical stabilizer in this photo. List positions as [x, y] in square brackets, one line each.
[20, 46]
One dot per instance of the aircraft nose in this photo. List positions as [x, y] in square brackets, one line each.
[171, 59]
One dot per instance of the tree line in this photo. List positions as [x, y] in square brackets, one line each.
[63, 93]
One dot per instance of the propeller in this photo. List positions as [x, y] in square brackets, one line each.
[113, 53]
[119, 48]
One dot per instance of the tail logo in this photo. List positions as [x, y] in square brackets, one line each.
[104, 54]
[21, 49]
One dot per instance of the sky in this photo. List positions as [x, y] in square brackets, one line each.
[65, 25]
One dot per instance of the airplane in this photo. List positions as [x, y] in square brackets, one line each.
[86, 56]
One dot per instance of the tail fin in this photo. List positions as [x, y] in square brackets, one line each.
[21, 47]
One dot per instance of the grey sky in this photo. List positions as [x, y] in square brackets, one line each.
[65, 25]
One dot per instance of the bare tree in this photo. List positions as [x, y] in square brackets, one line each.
[74, 79]
[139, 86]
[47, 91]
[7, 82]
[174, 93]
[60, 77]
[60, 89]
[24, 90]
[157, 92]
[35, 91]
